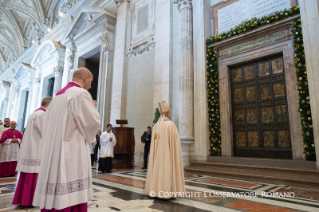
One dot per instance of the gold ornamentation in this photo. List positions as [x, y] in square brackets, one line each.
[240, 138]
[283, 138]
[279, 89]
[277, 66]
[267, 114]
[265, 91]
[269, 138]
[249, 72]
[251, 116]
[253, 138]
[238, 95]
[250, 93]
[281, 113]
[239, 116]
[238, 75]
[263, 69]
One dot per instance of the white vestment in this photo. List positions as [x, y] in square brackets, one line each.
[8, 151]
[65, 176]
[107, 146]
[29, 155]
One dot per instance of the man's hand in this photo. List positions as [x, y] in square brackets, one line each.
[14, 140]
[110, 139]
[94, 102]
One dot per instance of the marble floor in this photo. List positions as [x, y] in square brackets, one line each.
[123, 190]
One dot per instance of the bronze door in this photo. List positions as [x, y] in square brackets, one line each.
[260, 110]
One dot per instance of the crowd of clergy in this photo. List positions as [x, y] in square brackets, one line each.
[55, 154]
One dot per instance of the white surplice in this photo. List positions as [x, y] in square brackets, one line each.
[107, 146]
[29, 155]
[65, 176]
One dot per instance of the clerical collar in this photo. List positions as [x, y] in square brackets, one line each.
[6, 126]
[77, 83]
[108, 132]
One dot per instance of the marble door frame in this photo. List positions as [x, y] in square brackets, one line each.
[283, 45]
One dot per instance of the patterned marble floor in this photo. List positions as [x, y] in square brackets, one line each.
[123, 190]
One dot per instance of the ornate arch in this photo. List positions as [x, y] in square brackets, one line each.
[47, 50]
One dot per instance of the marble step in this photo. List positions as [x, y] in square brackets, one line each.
[276, 175]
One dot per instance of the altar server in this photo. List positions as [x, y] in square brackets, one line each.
[71, 122]
[108, 141]
[29, 156]
[10, 140]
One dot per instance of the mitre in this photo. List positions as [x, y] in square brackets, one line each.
[164, 108]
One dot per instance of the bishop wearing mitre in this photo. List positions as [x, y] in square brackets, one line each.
[29, 156]
[10, 140]
[165, 173]
[71, 122]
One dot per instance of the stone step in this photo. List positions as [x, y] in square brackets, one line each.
[275, 175]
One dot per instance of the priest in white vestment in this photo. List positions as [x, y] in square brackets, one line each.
[165, 173]
[71, 122]
[29, 156]
[10, 140]
[108, 142]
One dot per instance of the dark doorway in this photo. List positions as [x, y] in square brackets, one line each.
[93, 65]
[260, 110]
[51, 86]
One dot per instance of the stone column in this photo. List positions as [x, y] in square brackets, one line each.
[186, 105]
[119, 88]
[105, 80]
[201, 26]
[5, 107]
[163, 53]
[36, 93]
[70, 58]
[29, 106]
[309, 10]
[58, 79]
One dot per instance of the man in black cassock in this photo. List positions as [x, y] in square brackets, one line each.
[146, 139]
[98, 145]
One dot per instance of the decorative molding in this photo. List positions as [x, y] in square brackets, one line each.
[182, 4]
[138, 50]
[58, 71]
[105, 42]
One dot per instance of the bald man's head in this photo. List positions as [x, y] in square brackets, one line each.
[84, 77]
[13, 124]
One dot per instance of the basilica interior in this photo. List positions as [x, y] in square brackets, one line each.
[239, 77]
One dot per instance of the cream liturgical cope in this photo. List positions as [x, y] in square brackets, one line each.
[65, 176]
[29, 155]
[106, 145]
[165, 171]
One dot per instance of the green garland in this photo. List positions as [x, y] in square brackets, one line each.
[157, 115]
[304, 101]
[212, 79]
